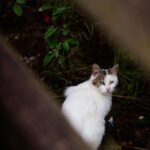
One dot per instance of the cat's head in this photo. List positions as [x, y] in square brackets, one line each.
[105, 80]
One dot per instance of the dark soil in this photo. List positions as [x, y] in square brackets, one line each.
[131, 116]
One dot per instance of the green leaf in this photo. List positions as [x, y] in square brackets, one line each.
[72, 41]
[47, 42]
[59, 45]
[48, 58]
[56, 52]
[18, 10]
[78, 43]
[54, 18]
[66, 46]
[60, 11]
[50, 32]
[21, 2]
[61, 61]
[53, 43]
[45, 7]
[65, 26]
[65, 32]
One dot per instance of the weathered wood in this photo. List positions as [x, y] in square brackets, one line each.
[30, 120]
[128, 21]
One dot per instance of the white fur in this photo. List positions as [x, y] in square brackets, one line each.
[86, 106]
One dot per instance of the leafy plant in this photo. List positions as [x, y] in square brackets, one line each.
[18, 7]
[58, 37]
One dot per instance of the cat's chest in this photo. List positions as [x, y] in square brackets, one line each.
[104, 105]
[97, 105]
[87, 102]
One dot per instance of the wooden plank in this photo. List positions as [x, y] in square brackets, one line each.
[127, 21]
[30, 119]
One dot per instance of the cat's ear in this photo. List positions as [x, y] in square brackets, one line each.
[114, 69]
[96, 70]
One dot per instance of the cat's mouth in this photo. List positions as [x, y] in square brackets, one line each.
[108, 92]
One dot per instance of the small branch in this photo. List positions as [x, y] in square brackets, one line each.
[78, 69]
[125, 97]
[134, 148]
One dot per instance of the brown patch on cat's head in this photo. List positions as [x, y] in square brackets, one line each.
[96, 81]
[98, 75]
[96, 70]
[114, 69]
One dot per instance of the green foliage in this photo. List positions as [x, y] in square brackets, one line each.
[46, 6]
[58, 37]
[131, 80]
[59, 11]
[18, 7]
[21, 1]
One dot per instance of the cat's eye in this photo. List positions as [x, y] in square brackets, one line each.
[111, 82]
[102, 82]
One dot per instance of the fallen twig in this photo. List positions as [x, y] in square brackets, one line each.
[134, 148]
[125, 97]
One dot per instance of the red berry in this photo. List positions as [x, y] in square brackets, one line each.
[47, 19]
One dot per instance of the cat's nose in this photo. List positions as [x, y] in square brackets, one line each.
[107, 89]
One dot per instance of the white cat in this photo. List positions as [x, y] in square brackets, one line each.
[87, 104]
